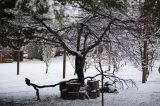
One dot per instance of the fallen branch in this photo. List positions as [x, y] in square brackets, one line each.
[37, 86]
[113, 78]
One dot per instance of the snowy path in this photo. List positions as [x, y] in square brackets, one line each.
[13, 89]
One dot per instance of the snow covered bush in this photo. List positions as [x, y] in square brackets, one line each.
[48, 53]
[109, 88]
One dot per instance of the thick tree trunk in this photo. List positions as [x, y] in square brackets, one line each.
[79, 64]
[144, 63]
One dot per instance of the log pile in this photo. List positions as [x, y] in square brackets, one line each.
[74, 90]
[94, 91]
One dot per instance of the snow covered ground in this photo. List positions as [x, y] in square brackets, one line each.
[14, 91]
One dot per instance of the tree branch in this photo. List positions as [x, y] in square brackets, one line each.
[106, 75]
[55, 33]
[100, 38]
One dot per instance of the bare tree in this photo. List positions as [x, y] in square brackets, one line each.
[142, 46]
[48, 53]
[13, 33]
[87, 30]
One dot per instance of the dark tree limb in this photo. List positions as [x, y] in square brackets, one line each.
[106, 75]
[56, 34]
[37, 86]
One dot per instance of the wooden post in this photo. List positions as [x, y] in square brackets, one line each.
[64, 63]
[1, 58]
[102, 79]
[144, 65]
[18, 59]
[109, 55]
[147, 67]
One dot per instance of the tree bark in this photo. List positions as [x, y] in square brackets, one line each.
[79, 64]
[144, 62]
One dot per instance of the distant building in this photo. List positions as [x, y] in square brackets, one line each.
[9, 55]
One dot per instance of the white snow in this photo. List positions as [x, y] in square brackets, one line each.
[14, 90]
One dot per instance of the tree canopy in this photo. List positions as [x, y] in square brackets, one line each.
[78, 26]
